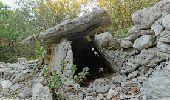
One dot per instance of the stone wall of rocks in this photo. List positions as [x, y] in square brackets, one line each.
[144, 55]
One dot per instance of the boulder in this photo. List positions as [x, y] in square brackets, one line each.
[62, 56]
[40, 92]
[74, 28]
[125, 43]
[106, 40]
[143, 42]
[101, 85]
[157, 28]
[146, 17]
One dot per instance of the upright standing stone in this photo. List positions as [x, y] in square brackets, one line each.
[62, 60]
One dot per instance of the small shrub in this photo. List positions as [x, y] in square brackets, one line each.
[55, 82]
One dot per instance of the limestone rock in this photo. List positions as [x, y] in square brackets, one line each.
[5, 84]
[163, 46]
[157, 28]
[146, 17]
[75, 97]
[146, 32]
[62, 55]
[126, 43]
[165, 38]
[101, 85]
[157, 86]
[134, 30]
[147, 58]
[74, 28]
[112, 92]
[143, 42]
[40, 92]
[106, 40]
[25, 93]
[166, 22]
[132, 37]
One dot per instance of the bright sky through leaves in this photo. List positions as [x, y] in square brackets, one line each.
[10, 3]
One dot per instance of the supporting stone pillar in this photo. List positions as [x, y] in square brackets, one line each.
[62, 60]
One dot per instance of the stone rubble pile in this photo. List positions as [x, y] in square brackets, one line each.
[23, 80]
[140, 62]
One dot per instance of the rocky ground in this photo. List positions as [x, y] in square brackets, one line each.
[140, 64]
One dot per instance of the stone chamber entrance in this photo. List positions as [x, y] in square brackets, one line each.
[85, 54]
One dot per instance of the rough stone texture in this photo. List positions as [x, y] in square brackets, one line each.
[5, 84]
[40, 92]
[74, 28]
[143, 42]
[126, 43]
[157, 86]
[16, 79]
[157, 28]
[166, 22]
[163, 46]
[147, 58]
[146, 17]
[106, 40]
[139, 73]
[62, 55]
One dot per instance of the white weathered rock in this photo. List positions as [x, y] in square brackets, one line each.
[5, 84]
[143, 42]
[157, 28]
[100, 97]
[25, 93]
[71, 29]
[126, 43]
[166, 22]
[133, 74]
[62, 55]
[106, 40]
[165, 38]
[157, 86]
[146, 17]
[163, 46]
[112, 92]
[101, 85]
[14, 87]
[134, 30]
[40, 92]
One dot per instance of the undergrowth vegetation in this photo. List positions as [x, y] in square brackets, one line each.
[55, 79]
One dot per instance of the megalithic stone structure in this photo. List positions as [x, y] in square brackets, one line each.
[58, 39]
[74, 28]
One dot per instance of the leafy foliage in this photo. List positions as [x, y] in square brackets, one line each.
[55, 82]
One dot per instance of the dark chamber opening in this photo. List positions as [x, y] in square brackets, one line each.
[85, 55]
